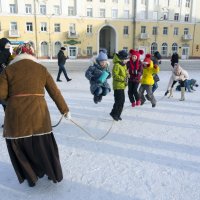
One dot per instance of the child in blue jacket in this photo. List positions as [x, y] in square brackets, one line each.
[98, 74]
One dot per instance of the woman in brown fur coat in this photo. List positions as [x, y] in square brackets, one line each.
[27, 127]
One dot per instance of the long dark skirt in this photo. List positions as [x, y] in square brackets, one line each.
[35, 156]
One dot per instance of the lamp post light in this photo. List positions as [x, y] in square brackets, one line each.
[50, 49]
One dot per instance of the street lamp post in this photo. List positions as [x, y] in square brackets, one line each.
[50, 49]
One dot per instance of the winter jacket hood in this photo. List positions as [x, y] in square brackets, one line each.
[147, 75]
[119, 73]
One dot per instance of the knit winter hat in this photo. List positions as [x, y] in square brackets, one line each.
[123, 55]
[147, 59]
[136, 53]
[157, 55]
[102, 56]
[3, 42]
[63, 48]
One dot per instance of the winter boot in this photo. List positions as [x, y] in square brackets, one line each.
[96, 99]
[170, 93]
[114, 116]
[100, 98]
[133, 104]
[69, 79]
[138, 103]
[182, 94]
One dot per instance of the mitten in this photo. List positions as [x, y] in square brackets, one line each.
[68, 115]
[93, 78]
[109, 75]
[155, 66]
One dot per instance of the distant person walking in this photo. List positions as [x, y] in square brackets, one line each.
[61, 63]
[174, 59]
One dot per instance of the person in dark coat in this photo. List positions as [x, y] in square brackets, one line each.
[61, 63]
[98, 74]
[174, 59]
[4, 53]
[4, 60]
[135, 67]
[27, 126]
[156, 58]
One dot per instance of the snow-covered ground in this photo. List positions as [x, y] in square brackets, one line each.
[152, 154]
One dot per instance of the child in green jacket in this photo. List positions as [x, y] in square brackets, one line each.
[120, 76]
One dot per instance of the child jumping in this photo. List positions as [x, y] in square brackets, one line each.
[98, 74]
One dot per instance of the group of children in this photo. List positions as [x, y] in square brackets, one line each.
[128, 70]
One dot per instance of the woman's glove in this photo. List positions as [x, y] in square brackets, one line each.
[68, 115]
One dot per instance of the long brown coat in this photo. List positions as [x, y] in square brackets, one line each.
[28, 115]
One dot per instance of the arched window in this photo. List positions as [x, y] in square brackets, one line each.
[44, 49]
[174, 48]
[164, 49]
[154, 47]
[57, 47]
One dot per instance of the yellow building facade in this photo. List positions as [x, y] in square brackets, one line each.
[86, 26]
[83, 27]
[167, 26]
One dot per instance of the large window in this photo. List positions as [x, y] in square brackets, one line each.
[43, 9]
[71, 11]
[57, 28]
[154, 47]
[43, 26]
[56, 10]
[114, 13]
[126, 14]
[102, 12]
[165, 16]
[175, 30]
[28, 8]
[72, 29]
[186, 31]
[125, 30]
[13, 8]
[155, 30]
[29, 26]
[13, 26]
[165, 30]
[89, 29]
[176, 16]
[89, 12]
[174, 47]
[186, 18]
[164, 49]
[143, 29]
[57, 48]
[89, 51]
[187, 3]
[44, 49]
